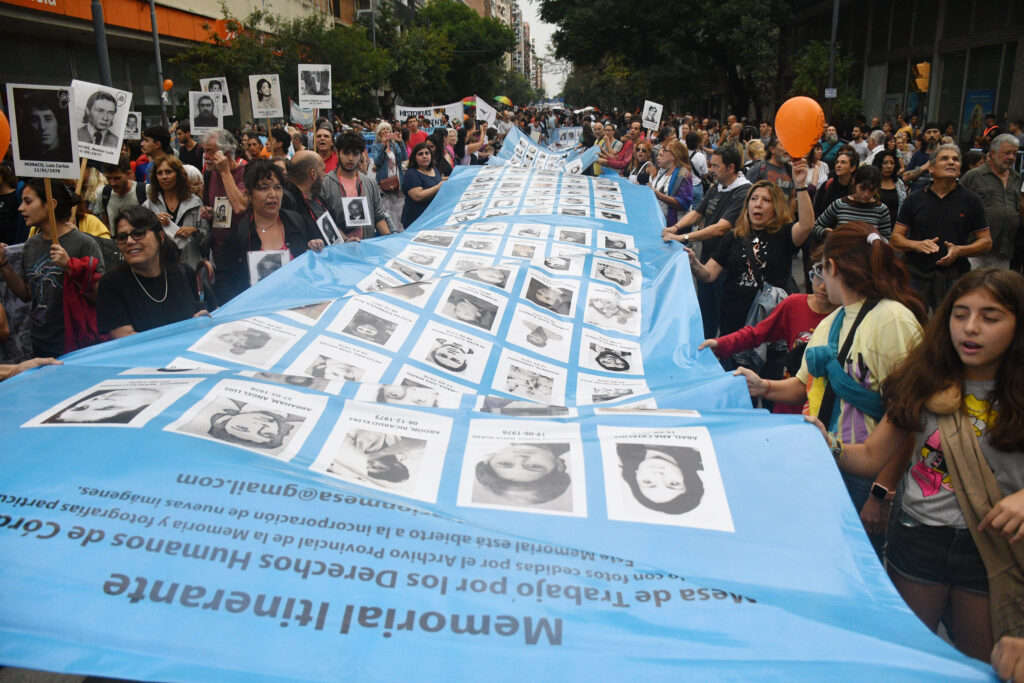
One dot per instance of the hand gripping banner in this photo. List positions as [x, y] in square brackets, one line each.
[485, 447]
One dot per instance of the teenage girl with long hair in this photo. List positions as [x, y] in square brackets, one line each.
[959, 400]
[851, 353]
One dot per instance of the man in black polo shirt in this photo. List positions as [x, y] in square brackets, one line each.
[939, 227]
[719, 209]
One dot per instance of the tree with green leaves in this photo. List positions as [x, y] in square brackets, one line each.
[421, 58]
[516, 87]
[479, 45]
[810, 69]
[624, 54]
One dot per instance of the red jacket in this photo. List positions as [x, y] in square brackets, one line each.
[622, 159]
[792, 320]
[80, 313]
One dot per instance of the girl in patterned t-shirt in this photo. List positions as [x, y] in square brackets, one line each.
[971, 361]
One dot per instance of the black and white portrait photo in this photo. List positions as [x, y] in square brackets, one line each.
[133, 126]
[669, 477]
[265, 96]
[115, 403]
[606, 308]
[356, 211]
[385, 459]
[40, 118]
[439, 239]
[470, 310]
[204, 112]
[573, 236]
[102, 114]
[490, 275]
[386, 447]
[554, 298]
[652, 115]
[266, 419]
[315, 86]
[369, 327]
[263, 263]
[617, 272]
[222, 212]
[218, 86]
[258, 342]
[543, 475]
[328, 229]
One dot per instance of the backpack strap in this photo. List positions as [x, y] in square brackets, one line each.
[828, 400]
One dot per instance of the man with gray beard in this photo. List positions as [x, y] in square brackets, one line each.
[830, 145]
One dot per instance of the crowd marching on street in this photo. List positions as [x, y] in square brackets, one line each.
[882, 269]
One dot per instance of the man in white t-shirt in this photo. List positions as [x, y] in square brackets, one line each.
[858, 143]
[876, 143]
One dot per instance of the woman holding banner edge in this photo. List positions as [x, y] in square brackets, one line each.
[421, 183]
[850, 354]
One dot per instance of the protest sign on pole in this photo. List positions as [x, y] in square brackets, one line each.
[315, 86]
[651, 115]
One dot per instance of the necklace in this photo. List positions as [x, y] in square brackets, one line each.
[263, 231]
[158, 301]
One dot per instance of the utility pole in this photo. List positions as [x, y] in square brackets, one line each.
[99, 30]
[159, 65]
[832, 63]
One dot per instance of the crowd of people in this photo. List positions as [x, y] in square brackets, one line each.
[900, 342]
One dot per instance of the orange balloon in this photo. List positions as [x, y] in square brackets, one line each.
[168, 84]
[799, 123]
[5, 135]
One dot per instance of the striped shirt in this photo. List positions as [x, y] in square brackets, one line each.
[844, 210]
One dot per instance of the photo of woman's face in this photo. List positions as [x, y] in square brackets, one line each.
[254, 427]
[523, 462]
[417, 396]
[659, 477]
[328, 368]
[449, 356]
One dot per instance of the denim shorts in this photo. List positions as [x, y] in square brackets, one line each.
[936, 556]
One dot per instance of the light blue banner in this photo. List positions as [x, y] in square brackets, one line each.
[518, 149]
[485, 447]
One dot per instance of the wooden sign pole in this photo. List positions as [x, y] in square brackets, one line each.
[78, 186]
[49, 208]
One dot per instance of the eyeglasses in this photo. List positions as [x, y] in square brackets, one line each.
[815, 273]
[137, 234]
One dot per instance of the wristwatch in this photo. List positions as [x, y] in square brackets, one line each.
[881, 493]
[686, 237]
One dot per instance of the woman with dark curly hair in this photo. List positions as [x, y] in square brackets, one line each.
[266, 226]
